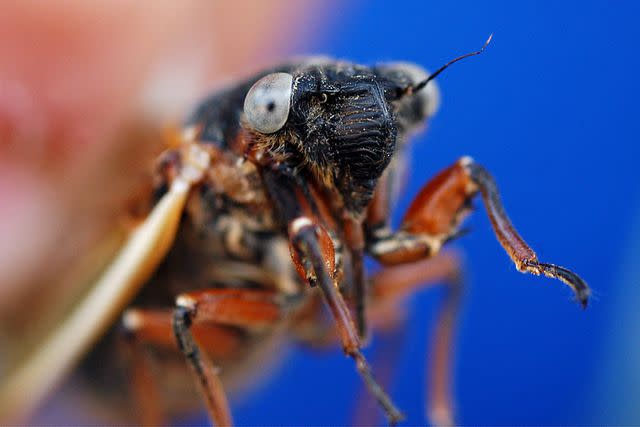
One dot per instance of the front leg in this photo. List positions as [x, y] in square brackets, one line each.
[313, 256]
[436, 213]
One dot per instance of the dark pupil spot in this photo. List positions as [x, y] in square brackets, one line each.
[271, 106]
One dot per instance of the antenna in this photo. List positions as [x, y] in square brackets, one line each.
[422, 84]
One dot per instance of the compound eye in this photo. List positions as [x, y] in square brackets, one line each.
[430, 95]
[267, 103]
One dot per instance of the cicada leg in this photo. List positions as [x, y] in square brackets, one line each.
[196, 327]
[435, 214]
[394, 283]
[388, 288]
[313, 256]
[244, 308]
[433, 219]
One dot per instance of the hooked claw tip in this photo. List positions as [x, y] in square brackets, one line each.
[579, 286]
[582, 295]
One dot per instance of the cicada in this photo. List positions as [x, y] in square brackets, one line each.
[262, 216]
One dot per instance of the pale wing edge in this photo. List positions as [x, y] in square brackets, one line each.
[147, 246]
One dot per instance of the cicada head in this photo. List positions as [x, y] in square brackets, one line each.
[339, 121]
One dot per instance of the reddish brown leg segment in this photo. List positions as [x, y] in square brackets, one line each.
[388, 287]
[207, 376]
[394, 283]
[305, 239]
[432, 219]
[249, 309]
[522, 255]
[386, 361]
[149, 328]
[435, 214]
[355, 242]
[144, 387]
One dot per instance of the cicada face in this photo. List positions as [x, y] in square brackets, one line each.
[338, 120]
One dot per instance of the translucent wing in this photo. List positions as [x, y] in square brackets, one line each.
[131, 268]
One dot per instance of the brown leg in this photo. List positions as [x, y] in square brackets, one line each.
[251, 309]
[388, 287]
[394, 283]
[435, 214]
[141, 330]
[312, 254]
[521, 254]
[200, 321]
[206, 374]
[390, 337]
[355, 243]
[147, 329]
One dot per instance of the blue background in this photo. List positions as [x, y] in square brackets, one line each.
[551, 110]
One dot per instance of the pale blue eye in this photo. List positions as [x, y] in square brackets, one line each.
[267, 104]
